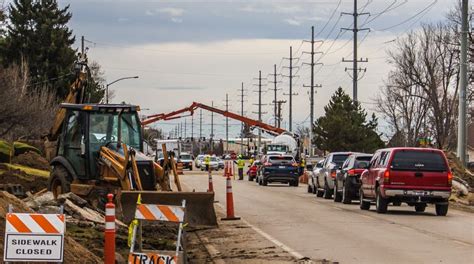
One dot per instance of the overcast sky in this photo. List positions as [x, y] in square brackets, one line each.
[187, 51]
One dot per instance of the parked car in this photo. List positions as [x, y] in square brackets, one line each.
[187, 160]
[221, 163]
[416, 176]
[312, 179]
[327, 175]
[213, 163]
[198, 160]
[347, 184]
[278, 168]
[253, 168]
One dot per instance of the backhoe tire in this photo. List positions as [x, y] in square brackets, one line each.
[59, 181]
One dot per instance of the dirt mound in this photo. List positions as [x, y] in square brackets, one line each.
[29, 182]
[73, 251]
[458, 169]
[32, 159]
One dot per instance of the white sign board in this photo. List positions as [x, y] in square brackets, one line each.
[34, 237]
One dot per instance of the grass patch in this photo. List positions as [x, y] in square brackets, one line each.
[28, 170]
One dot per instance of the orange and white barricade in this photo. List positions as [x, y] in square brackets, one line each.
[34, 237]
[157, 212]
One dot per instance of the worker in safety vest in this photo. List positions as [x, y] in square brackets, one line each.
[240, 166]
[207, 162]
[302, 165]
[251, 161]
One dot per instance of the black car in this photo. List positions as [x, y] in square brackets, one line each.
[348, 178]
[278, 168]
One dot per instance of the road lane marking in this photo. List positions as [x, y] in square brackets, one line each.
[272, 239]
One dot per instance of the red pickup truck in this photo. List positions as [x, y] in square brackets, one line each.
[416, 176]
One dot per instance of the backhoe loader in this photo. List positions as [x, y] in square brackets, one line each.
[99, 150]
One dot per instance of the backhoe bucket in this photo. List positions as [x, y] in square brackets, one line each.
[199, 205]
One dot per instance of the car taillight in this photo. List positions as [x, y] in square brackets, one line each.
[294, 164]
[267, 164]
[351, 172]
[333, 174]
[386, 176]
[450, 178]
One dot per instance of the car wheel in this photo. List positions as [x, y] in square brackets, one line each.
[381, 203]
[364, 205]
[319, 192]
[310, 189]
[296, 183]
[250, 178]
[264, 182]
[442, 209]
[398, 203]
[313, 187]
[346, 196]
[191, 168]
[337, 195]
[420, 208]
[327, 192]
[259, 181]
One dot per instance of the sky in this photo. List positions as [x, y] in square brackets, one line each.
[186, 51]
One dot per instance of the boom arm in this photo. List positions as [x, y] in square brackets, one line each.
[178, 114]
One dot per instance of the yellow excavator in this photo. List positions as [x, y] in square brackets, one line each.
[97, 149]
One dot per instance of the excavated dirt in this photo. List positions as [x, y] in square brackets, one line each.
[29, 182]
[73, 251]
[459, 170]
[31, 159]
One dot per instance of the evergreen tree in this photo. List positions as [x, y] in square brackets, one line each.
[37, 34]
[344, 127]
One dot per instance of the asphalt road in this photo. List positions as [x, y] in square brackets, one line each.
[318, 228]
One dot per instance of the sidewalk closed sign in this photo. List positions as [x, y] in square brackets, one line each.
[34, 237]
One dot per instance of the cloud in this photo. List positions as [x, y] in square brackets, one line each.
[176, 20]
[171, 11]
[179, 88]
[292, 22]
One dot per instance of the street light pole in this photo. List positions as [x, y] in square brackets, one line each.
[118, 80]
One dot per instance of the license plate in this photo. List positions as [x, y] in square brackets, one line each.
[420, 193]
[281, 167]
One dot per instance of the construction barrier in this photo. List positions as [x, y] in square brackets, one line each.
[34, 237]
[230, 201]
[109, 233]
[156, 212]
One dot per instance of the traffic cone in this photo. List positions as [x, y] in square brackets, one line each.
[211, 186]
[230, 201]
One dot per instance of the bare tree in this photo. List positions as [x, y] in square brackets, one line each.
[23, 114]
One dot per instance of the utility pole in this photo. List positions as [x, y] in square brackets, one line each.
[291, 88]
[185, 128]
[312, 92]
[200, 130]
[212, 129]
[259, 110]
[355, 60]
[462, 128]
[241, 123]
[192, 135]
[227, 124]
[279, 103]
[82, 46]
[275, 89]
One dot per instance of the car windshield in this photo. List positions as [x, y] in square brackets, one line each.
[213, 159]
[339, 159]
[418, 160]
[185, 157]
[281, 159]
[362, 162]
[278, 148]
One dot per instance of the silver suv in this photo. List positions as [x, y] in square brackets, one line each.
[324, 180]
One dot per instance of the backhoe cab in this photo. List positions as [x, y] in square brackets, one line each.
[99, 150]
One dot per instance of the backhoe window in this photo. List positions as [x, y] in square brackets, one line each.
[104, 129]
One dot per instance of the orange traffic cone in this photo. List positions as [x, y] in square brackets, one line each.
[230, 201]
[211, 186]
